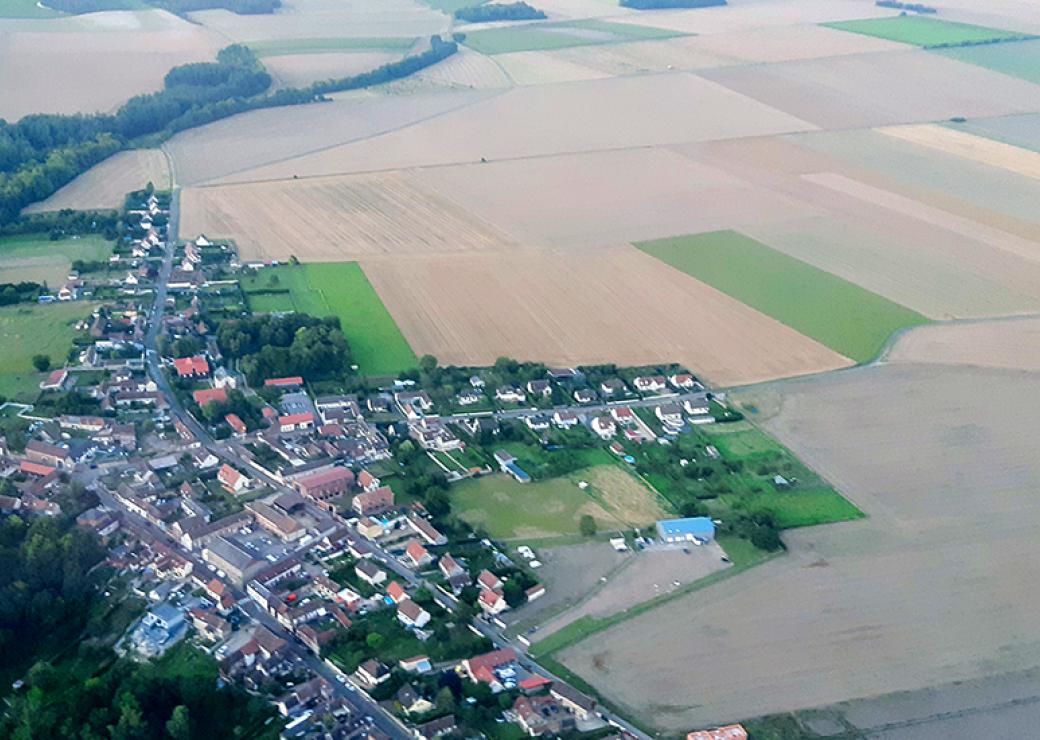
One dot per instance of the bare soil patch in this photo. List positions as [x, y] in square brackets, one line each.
[105, 185]
[608, 305]
[1011, 343]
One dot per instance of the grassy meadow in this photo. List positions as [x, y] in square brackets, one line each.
[923, 31]
[336, 289]
[833, 311]
[38, 259]
[27, 330]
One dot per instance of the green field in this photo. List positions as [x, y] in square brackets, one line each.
[38, 259]
[285, 47]
[924, 31]
[805, 507]
[27, 330]
[1020, 59]
[549, 36]
[336, 289]
[833, 311]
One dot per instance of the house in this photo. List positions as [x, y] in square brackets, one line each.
[536, 591]
[603, 427]
[650, 383]
[325, 485]
[537, 423]
[367, 482]
[542, 715]
[613, 387]
[413, 404]
[489, 581]
[370, 528]
[670, 414]
[482, 668]
[449, 566]
[58, 380]
[623, 415]
[432, 434]
[370, 573]
[539, 388]
[507, 463]
[492, 602]
[191, 367]
[224, 378]
[235, 422]
[395, 591]
[573, 700]
[565, 419]
[584, 395]
[48, 454]
[729, 732]
[416, 555]
[468, 398]
[371, 673]
[417, 664]
[411, 614]
[682, 381]
[203, 459]
[426, 530]
[509, 394]
[231, 480]
[699, 529]
[210, 625]
[292, 382]
[411, 701]
[373, 502]
[697, 405]
[210, 395]
[435, 728]
[296, 422]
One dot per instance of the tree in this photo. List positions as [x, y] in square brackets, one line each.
[374, 640]
[693, 508]
[587, 525]
[427, 363]
[179, 724]
[41, 362]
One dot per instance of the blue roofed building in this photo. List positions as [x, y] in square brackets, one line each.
[677, 531]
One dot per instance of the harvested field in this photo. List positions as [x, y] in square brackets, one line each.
[864, 90]
[1012, 343]
[466, 69]
[105, 185]
[333, 219]
[833, 311]
[228, 147]
[300, 70]
[900, 596]
[37, 259]
[925, 31]
[544, 68]
[599, 114]
[651, 193]
[746, 15]
[969, 146]
[609, 305]
[76, 65]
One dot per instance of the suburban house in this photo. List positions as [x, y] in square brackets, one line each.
[231, 480]
[426, 530]
[296, 422]
[623, 415]
[450, 566]
[482, 668]
[489, 581]
[411, 614]
[509, 394]
[507, 463]
[670, 414]
[373, 502]
[191, 367]
[697, 405]
[565, 419]
[367, 482]
[432, 434]
[58, 380]
[580, 704]
[371, 673]
[537, 423]
[682, 381]
[370, 573]
[48, 454]
[413, 404]
[603, 427]
[411, 701]
[613, 387]
[584, 395]
[650, 383]
[369, 528]
[235, 422]
[417, 555]
[417, 664]
[492, 602]
[294, 381]
[539, 388]
[542, 715]
[678, 531]
[395, 591]
[210, 395]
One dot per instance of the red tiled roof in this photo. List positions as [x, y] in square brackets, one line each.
[187, 366]
[295, 419]
[416, 551]
[210, 395]
[236, 423]
[27, 466]
[282, 382]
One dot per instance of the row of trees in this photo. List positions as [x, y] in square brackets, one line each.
[519, 11]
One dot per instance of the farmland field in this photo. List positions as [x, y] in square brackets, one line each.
[301, 69]
[105, 185]
[38, 259]
[835, 312]
[544, 509]
[342, 290]
[1020, 59]
[30, 330]
[547, 36]
[287, 47]
[926, 32]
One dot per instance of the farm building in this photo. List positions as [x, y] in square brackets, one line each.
[686, 530]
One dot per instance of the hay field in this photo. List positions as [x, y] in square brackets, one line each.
[865, 90]
[333, 219]
[106, 184]
[900, 596]
[79, 65]
[300, 70]
[607, 197]
[585, 306]
[969, 146]
[226, 148]
[1013, 344]
[598, 114]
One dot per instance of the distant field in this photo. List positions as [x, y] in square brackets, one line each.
[106, 184]
[926, 32]
[283, 47]
[337, 289]
[548, 36]
[1021, 59]
[833, 311]
[508, 510]
[29, 330]
[38, 259]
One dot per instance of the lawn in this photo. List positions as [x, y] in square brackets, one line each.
[549, 508]
[550, 36]
[805, 507]
[27, 330]
[336, 289]
[285, 47]
[833, 311]
[740, 440]
[1020, 60]
[37, 259]
[926, 32]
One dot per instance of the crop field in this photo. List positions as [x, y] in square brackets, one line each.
[300, 69]
[334, 219]
[465, 69]
[471, 309]
[31, 330]
[835, 312]
[1021, 131]
[342, 290]
[288, 47]
[926, 32]
[1013, 344]
[84, 64]
[38, 259]
[969, 146]
[547, 36]
[105, 185]
[855, 593]
[544, 509]
[1020, 59]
